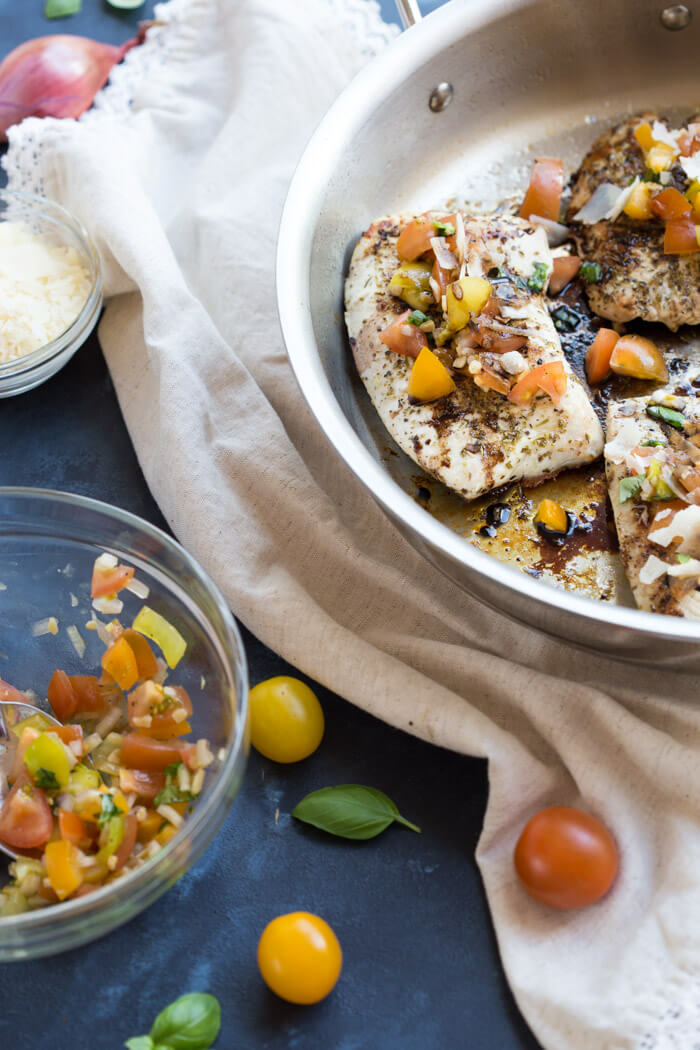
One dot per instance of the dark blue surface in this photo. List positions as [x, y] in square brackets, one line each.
[421, 969]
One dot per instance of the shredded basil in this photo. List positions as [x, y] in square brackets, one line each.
[444, 229]
[172, 792]
[539, 277]
[672, 416]
[417, 318]
[109, 809]
[565, 319]
[591, 272]
[629, 487]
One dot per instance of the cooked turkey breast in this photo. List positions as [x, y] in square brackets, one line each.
[472, 441]
[638, 279]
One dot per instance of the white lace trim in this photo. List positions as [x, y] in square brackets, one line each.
[173, 39]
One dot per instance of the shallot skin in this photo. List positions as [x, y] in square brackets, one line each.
[55, 76]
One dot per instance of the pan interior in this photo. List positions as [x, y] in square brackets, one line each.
[543, 79]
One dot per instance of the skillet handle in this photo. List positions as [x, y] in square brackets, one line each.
[409, 12]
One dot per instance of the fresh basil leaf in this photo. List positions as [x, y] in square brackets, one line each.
[351, 811]
[591, 272]
[61, 8]
[140, 1042]
[192, 1022]
[683, 558]
[172, 793]
[126, 5]
[444, 229]
[672, 416]
[629, 487]
[538, 279]
[109, 809]
[417, 318]
[46, 780]
[653, 443]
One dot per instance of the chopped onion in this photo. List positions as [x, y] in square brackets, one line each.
[49, 625]
[106, 561]
[109, 606]
[446, 259]
[607, 202]
[660, 133]
[557, 233]
[77, 640]
[102, 632]
[137, 587]
[691, 166]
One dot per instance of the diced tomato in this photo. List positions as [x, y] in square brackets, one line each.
[145, 785]
[69, 734]
[414, 239]
[10, 694]
[680, 237]
[89, 694]
[402, 337]
[543, 195]
[145, 658]
[131, 826]
[670, 204]
[148, 699]
[500, 344]
[486, 379]
[119, 661]
[564, 269]
[109, 581]
[28, 736]
[599, 353]
[71, 827]
[634, 355]
[62, 696]
[150, 826]
[25, 817]
[550, 378]
[142, 752]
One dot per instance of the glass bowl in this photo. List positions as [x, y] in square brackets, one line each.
[48, 543]
[58, 225]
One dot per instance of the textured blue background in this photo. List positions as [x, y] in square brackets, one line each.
[421, 967]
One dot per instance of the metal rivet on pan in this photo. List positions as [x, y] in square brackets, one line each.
[440, 97]
[677, 16]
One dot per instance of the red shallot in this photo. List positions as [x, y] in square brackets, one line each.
[55, 76]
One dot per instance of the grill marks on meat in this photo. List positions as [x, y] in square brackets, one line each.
[472, 441]
[638, 281]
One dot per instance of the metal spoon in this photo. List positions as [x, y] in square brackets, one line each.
[10, 714]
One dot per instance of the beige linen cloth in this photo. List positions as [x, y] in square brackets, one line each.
[183, 192]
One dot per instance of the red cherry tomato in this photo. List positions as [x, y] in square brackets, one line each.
[25, 817]
[152, 756]
[566, 858]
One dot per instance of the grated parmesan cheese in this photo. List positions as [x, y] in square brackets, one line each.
[43, 288]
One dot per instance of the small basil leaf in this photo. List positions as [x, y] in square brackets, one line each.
[192, 1022]
[126, 5]
[629, 487]
[351, 811]
[62, 8]
[140, 1042]
[672, 416]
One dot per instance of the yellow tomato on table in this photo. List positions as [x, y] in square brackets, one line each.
[286, 719]
[299, 957]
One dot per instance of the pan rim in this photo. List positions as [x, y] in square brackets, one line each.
[383, 75]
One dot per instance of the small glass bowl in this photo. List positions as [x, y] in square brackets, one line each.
[51, 220]
[48, 543]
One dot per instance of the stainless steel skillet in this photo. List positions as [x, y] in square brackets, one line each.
[458, 106]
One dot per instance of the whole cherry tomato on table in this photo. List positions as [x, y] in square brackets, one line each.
[286, 719]
[299, 957]
[566, 858]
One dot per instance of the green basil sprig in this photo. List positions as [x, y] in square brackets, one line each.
[61, 8]
[350, 811]
[192, 1022]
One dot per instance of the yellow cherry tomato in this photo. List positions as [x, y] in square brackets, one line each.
[299, 957]
[286, 719]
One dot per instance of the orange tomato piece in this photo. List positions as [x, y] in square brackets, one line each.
[12, 695]
[564, 269]
[71, 827]
[62, 696]
[543, 195]
[680, 237]
[145, 657]
[402, 337]
[599, 353]
[63, 868]
[153, 756]
[119, 661]
[670, 204]
[145, 785]
[550, 378]
[633, 355]
[109, 581]
[414, 239]
[68, 734]
[149, 827]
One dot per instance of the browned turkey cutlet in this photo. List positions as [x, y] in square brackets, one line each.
[638, 280]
